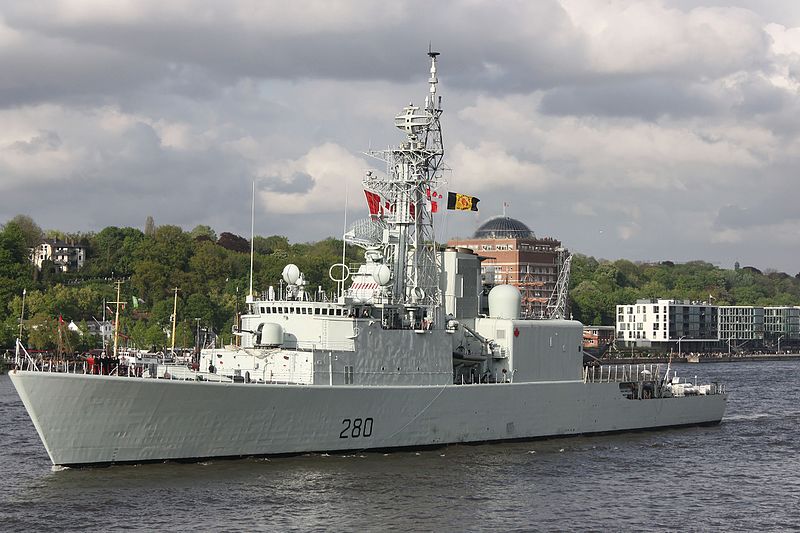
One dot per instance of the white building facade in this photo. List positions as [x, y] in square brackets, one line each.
[685, 324]
[698, 326]
[65, 256]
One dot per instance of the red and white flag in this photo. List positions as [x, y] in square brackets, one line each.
[433, 198]
[373, 203]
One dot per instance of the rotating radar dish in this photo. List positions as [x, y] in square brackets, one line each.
[365, 233]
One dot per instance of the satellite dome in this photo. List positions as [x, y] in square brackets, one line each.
[502, 227]
[504, 302]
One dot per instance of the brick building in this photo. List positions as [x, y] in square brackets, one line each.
[514, 255]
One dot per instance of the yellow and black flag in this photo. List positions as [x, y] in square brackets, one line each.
[462, 202]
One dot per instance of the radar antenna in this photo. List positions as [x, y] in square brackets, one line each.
[412, 175]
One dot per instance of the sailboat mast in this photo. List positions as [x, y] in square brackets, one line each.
[103, 326]
[174, 318]
[252, 238]
[21, 318]
[116, 320]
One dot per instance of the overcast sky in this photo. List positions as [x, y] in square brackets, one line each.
[647, 130]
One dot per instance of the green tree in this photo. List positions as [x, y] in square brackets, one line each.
[42, 331]
[31, 231]
[14, 265]
[112, 252]
[203, 233]
[150, 280]
[589, 303]
[199, 306]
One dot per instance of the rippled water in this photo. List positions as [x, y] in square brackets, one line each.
[741, 475]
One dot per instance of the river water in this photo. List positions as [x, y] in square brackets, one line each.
[741, 475]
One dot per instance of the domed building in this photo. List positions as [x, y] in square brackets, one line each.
[503, 227]
[514, 255]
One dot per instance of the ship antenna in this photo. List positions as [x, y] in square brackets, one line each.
[344, 241]
[174, 318]
[433, 80]
[252, 236]
[116, 318]
[19, 338]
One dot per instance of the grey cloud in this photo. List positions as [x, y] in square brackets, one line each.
[646, 98]
[46, 140]
[223, 48]
[759, 96]
[766, 212]
[40, 68]
[297, 183]
[251, 96]
[736, 217]
[123, 183]
[505, 48]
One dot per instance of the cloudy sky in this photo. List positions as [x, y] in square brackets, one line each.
[647, 130]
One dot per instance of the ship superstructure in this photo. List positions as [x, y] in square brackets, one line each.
[398, 357]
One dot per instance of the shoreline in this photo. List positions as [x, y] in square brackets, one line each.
[703, 358]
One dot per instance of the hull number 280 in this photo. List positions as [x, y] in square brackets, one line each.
[355, 428]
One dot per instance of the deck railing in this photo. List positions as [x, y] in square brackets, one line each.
[621, 373]
[137, 371]
[27, 360]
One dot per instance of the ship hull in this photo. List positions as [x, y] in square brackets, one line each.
[85, 419]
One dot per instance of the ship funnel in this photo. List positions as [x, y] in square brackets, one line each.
[504, 302]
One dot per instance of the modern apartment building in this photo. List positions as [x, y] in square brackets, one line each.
[699, 326]
[686, 325]
[782, 322]
[741, 323]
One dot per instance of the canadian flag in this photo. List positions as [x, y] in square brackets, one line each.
[374, 203]
[433, 198]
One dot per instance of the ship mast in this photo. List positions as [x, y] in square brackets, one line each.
[116, 318]
[412, 174]
[174, 318]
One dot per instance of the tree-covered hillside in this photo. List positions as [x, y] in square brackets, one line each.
[212, 273]
[596, 287]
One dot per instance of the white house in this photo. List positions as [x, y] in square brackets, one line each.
[65, 256]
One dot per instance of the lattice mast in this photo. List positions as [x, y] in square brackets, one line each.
[412, 174]
[557, 306]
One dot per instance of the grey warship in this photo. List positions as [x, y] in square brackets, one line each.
[401, 356]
